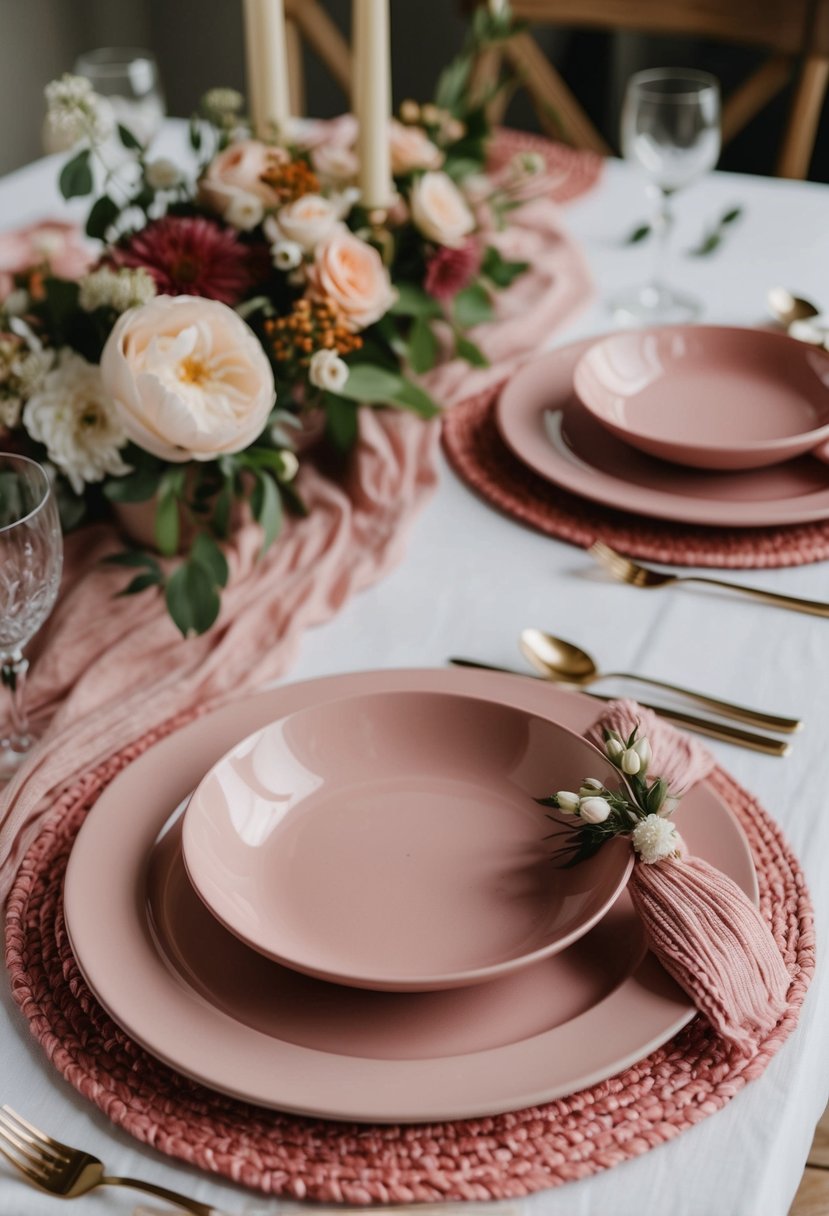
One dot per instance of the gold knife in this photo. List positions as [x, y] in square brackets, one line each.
[766, 744]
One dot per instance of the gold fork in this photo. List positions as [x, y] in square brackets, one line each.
[627, 571]
[69, 1172]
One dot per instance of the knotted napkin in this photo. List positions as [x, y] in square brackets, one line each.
[705, 931]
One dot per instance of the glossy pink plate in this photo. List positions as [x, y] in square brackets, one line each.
[543, 422]
[709, 396]
[199, 999]
[393, 841]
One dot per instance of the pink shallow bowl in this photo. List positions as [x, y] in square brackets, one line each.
[393, 841]
[709, 397]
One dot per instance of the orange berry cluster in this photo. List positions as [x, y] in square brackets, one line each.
[312, 325]
[291, 179]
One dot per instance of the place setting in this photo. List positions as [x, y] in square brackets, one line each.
[301, 905]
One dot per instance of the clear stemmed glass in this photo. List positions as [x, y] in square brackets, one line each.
[129, 80]
[31, 559]
[671, 129]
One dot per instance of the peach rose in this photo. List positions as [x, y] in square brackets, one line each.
[188, 377]
[306, 221]
[411, 148]
[351, 274]
[335, 165]
[237, 173]
[440, 211]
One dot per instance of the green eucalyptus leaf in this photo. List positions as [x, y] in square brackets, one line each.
[105, 211]
[472, 306]
[423, 346]
[167, 526]
[500, 271]
[137, 486]
[266, 505]
[192, 599]
[367, 382]
[465, 349]
[638, 234]
[141, 582]
[413, 397]
[207, 553]
[76, 176]
[128, 139]
[414, 301]
[340, 422]
[133, 560]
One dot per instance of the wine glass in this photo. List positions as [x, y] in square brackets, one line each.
[31, 559]
[129, 80]
[671, 129]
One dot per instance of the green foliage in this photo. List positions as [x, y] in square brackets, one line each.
[472, 306]
[498, 270]
[104, 213]
[423, 346]
[192, 598]
[128, 139]
[76, 176]
[340, 422]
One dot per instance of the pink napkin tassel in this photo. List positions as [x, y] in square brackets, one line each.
[702, 927]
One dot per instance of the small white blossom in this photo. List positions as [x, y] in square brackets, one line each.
[72, 415]
[76, 112]
[328, 371]
[162, 174]
[286, 255]
[594, 809]
[528, 164]
[117, 289]
[343, 200]
[567, 801]
[21, 371]
[244, 211]
[629, 762]
[655, 838]
[222, 105]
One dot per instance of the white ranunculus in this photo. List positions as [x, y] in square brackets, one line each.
[440, 211]
[162, 173]
[328, 371]
[655, 838]
[307, 221]
[72, 414]
[594, 809]
[189, 379]
[244, 211]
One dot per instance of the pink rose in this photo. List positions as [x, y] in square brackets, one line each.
[352, 275]
[307, 221]
[188, 377]
[50, 243]
[335, 165]
[236, 174]
[411, 149]
[440, 211]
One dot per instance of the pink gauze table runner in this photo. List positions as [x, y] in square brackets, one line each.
[109, 670]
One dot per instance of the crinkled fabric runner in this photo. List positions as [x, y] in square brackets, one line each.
[504, 1156]
[482, 459]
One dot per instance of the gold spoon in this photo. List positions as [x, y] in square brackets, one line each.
[568, 664]
[787, 308]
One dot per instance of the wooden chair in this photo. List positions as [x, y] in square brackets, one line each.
[794, 32]
[307, 20]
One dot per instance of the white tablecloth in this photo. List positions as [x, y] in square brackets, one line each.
[470, 581]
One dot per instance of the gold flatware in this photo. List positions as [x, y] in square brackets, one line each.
[69, 1172]
[787, 308]
[628, 571]
[701, 726]
[568, 664]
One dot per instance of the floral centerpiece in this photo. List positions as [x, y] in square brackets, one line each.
[238, 304]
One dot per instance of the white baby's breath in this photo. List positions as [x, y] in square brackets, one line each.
[76, 112]
[117, 289]
[73, 417]
[22, 369]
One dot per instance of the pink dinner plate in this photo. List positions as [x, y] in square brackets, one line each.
[198, 998]
[393, 841]
[708, 396]
[542, 421]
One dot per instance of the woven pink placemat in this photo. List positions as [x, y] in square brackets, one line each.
[482, 459]
[504, 1156]
[571, 171]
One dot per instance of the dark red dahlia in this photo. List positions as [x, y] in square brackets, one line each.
[194, 256]
[448, 271]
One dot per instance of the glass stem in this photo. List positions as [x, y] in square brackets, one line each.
[13, 669]
[663, 222]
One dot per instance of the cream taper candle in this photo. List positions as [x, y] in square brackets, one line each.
[267, 66]
[372, 99]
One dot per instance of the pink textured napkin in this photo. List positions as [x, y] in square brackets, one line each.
[702, 927]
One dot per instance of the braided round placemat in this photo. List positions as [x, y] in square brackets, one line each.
[482, 459]
[504, 1156]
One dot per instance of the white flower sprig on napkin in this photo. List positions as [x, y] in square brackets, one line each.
[640, 809]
